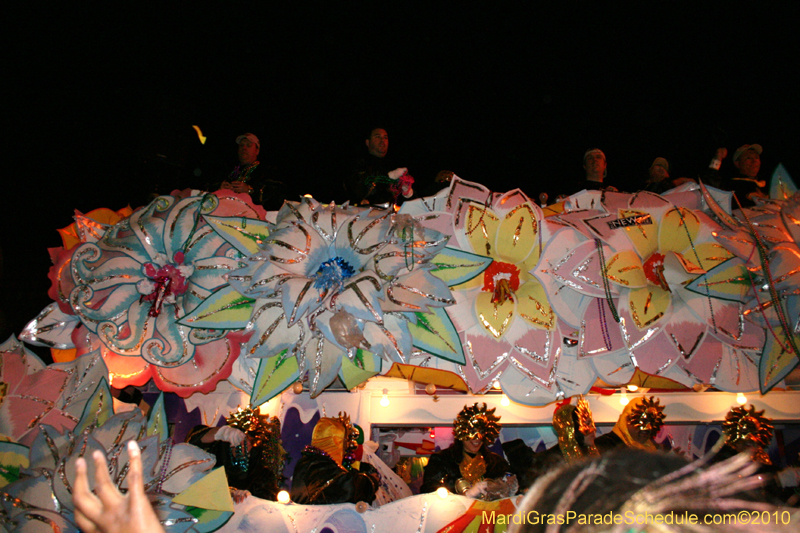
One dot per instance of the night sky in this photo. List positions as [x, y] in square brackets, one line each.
[101, 97]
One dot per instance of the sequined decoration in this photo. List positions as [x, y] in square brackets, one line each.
[472, 468]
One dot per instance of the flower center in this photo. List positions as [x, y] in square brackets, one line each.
[501, 279]
[332, 273]
[164, 284]
[654, 270]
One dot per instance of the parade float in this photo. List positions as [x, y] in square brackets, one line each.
[399, 317]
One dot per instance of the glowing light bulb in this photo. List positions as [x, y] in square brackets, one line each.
[496, 385]
[433, 433]
[283, 497]
[385, 398]
[504, 401]
[741, 399]
[623, 397]
[633, 388]
[442, 492]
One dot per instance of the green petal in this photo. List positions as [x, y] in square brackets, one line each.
[726, 281]
[244, 234]
[776, 363]
[225, 309]
[364, 366]
[435, 333]
[13, 457]
[157, 420]
[457, 266]
[99, 408]
[274, 376]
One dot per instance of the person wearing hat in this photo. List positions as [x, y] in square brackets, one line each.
[637, 425]
[745, 184]
[250, 176]
[330, 471]
[658, 180]
[574, 426]
[467, 467]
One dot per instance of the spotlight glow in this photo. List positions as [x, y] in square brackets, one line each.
[504, 401]
[442, 492]
[283, 497]
[741, 399]
[385, 398]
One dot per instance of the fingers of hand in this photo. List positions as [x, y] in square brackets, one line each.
[88, 508]
[135, 478]
[103, 486]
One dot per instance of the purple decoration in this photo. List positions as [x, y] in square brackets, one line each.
[296, 436]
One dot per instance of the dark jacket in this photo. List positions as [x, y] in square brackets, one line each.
[261, 482]
[318, 479]
[443, 467]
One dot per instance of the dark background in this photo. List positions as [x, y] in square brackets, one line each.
[101, 97]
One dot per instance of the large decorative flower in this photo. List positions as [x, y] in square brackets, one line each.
[185, 493]
[121, 286]
[145, 273]
[765, 240]
[660, 294]
[507, 325]
[333, 280]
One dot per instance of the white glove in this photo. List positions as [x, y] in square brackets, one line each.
[230, 435]
[397, 173]
[476, 490]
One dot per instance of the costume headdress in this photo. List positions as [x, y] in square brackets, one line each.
[645, 414]
[749, 426]
[263, 432]
[568, 419]
[476, 422]
[336, 437]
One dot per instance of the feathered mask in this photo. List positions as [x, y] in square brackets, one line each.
[748, 425]
[647, 415]
[476, 422]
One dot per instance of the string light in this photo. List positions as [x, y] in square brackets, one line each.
[283, 497]
[741, 399]
[633, 388]
[385, 398]
[442, 492]
[623, 398]
[496, 385]
[504, 401]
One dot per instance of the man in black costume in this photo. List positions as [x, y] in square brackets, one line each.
[249, 447]
[468, 467]
[636, 427]
[328, 471]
